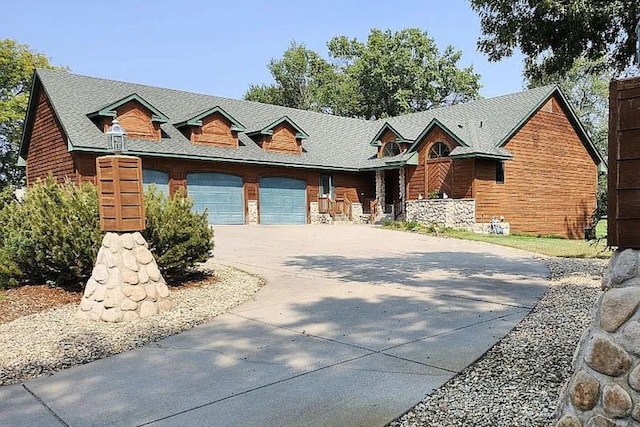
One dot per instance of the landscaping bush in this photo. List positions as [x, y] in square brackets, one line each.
[177, 237]
[51, 235]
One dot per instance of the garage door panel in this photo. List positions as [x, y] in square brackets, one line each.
[159, 178]
[221, 195]
[283, 201]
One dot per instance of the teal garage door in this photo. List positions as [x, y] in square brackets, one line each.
[283, 201]
[159, 178]
[220, 194]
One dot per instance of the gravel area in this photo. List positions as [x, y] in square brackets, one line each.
[517, 382]
[43, 343]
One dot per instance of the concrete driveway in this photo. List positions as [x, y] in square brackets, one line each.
[355, 326]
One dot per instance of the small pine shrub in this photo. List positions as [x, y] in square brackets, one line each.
[51, 236]
[178, 238]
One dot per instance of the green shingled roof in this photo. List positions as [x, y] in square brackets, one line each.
[333, 142]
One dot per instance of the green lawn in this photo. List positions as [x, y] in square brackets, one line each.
[552, 246]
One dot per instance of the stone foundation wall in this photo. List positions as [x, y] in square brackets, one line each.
[605, 387]
[453, 213]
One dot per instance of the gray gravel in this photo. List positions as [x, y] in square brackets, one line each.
[50, 341]
[517, 382]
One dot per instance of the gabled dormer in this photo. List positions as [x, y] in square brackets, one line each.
[390, 142]
[213, 127]
[140, 119]
[281, 136]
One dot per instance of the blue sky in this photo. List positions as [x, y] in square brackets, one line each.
[220, 48]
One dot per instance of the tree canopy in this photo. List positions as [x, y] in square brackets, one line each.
[554, 34]
[17, 64]
[391, 73]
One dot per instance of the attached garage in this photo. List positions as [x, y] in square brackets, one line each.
[222, 195]
[159, 178]
[283, 201]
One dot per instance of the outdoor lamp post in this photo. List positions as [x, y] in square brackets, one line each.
[116, 137]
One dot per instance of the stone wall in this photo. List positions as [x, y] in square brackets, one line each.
[314, 209]
[357, 214]
[453, 213]
[605, 387]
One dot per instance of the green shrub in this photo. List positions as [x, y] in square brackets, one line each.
[51, 235]
[177, 237]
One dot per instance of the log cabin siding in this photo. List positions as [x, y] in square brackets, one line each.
[48, 154]
[136, 120]
[283, 140]
[357, 186]
[550, 185]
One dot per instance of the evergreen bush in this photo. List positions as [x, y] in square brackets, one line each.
[178, 238]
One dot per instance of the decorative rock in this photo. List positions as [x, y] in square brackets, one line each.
[154, 272]
[122, 288]
[616, 402]
[129, 260]
[91, 286]
[99, 293]
[606, 357]
[630, 337]
[137, 237]
[617, 307]
[624, 267]
[600, 421]
[163, 290]
[143, 255]
[584, 391]
[143, 276]
[86, 304]
[127, 241]
[128, 305]
[634, 378]
[147, 308]
[150, 289]
[569, 421]
[100, 274]
[112, 298]
[165, 305]
[111, 315]
[129, 316]
[130, 277]
[635, 414]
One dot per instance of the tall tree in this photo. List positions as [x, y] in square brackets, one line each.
[299, 78]
[402, 72]
[17, 64]
[392, 73]
[553, 34]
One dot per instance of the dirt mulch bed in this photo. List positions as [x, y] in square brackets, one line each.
[31, 299]
[26, 300]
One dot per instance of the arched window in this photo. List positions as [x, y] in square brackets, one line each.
[439, 149]
[390, 149]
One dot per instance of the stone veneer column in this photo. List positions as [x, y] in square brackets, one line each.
[605, 387]
[314, 213]
[402, 183]
[126, 283]
[253, 211]
[380, 188]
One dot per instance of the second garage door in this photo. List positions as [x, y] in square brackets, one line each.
[220, 194]
[283, 201]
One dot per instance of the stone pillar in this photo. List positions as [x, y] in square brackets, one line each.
[403, 186]
[605, 387]
[356, 213]
[380, 188]
[126, 283]
[253, 211]
[314, 213]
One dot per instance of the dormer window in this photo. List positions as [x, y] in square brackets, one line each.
[281, 136]
[213, 127]
[391, 149]
[141, 119]
[438, 150]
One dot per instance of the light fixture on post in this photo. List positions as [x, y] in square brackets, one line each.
[116, 137]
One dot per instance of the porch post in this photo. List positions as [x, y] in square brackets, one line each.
[403, 186]
[380, 189]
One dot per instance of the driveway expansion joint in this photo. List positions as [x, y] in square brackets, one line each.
[41, 402]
